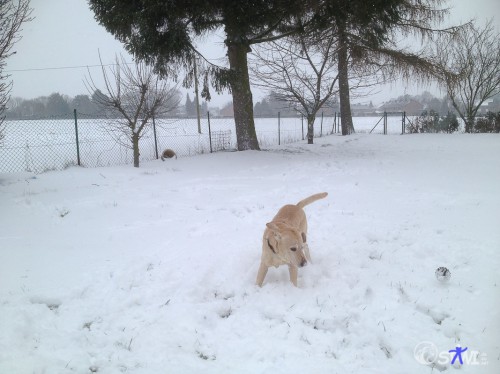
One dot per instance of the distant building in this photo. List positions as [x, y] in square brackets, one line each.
[214, 111]
[360, 110]
[491, 106]
[227, 110]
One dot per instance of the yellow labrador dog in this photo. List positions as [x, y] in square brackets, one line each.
[285, 240]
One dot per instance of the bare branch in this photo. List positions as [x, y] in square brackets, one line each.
[12, 16]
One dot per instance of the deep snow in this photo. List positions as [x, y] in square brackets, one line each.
[152, 270]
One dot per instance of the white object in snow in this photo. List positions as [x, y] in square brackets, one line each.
[443, 274]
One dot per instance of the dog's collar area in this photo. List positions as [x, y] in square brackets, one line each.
[270, 246]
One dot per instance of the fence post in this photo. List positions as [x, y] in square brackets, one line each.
[403, 123]
[77, 141]
[209, 132]
[279, 129]
[302, 121]
[196, 98]
[154, 134]
[385, 123]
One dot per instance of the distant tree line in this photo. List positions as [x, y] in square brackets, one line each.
[57, 105]
[426, 100]
[54, 105]
[271, 104]
[431, 103]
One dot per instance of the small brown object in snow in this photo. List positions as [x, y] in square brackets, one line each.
[168, 153]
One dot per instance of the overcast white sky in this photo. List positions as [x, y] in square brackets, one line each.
[64, 36]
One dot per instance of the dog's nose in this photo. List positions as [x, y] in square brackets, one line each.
[303, 263]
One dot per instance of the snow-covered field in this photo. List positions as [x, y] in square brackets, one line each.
[152, 270]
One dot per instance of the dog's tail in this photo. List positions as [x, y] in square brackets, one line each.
[312, 199]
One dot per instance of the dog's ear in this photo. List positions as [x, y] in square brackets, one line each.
[271, 243]
[276, 230]
[304, 237]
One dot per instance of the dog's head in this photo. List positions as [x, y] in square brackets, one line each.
[287, 243]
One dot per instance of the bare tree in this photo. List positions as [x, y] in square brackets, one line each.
[470, 69]
[12, 15]
[303, 71]
[299, 73]
[133, 95]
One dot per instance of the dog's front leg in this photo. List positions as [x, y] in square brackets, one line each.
[294, 271]
[261, 274]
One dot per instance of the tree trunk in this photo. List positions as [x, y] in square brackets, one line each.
[310, 129]
[464, 114]
[469, 124]
[135, 147]
[344, 98]
[470, 116]
[246, 136]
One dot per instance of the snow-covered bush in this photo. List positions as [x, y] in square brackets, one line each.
[490, 123]
[432, 122]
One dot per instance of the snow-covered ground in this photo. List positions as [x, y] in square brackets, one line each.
[152, 270]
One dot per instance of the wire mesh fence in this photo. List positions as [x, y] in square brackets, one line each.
[38, 145]
[57, 143]
[76, 139]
